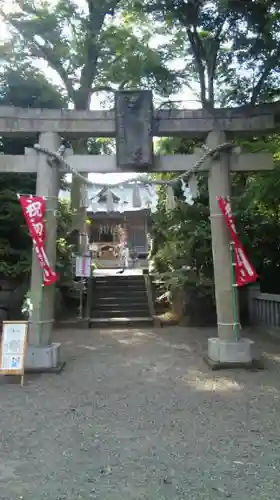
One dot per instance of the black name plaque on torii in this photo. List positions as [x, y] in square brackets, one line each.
[134, 122]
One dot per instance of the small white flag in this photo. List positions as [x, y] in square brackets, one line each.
[136, 199]
[84, 201]
[110, 201]
[147, 197]
[187, 193]
[193, 185]
[170, 203]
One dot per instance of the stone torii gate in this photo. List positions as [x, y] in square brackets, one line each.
[134, 123]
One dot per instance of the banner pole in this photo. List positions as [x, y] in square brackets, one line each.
[42, 288]
[41, 310]
[81, 298]
[234, 294]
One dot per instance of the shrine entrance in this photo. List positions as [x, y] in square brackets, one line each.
[134, 123]
[112, 218]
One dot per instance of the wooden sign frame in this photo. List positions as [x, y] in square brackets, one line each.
[22, 354]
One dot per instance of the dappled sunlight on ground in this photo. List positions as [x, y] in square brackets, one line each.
[137, 414]
[136, 337]
[273, 357]
[202, 382]
[89, 347]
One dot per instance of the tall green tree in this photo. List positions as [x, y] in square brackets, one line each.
[24, 86]
[91, 48]
[220, 42]
[27, 88]
[231, 54]
[256, 48]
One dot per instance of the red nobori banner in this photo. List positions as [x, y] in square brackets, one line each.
[225, 207]
[244, 270]
[50, 277]
[34, 209]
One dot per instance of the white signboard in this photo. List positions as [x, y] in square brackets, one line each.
[83, 266]
[13, 347]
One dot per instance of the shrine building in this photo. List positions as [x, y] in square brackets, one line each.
[112, 210]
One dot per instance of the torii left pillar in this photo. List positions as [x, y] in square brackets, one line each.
[42, 354]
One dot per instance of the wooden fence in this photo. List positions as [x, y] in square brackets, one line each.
[263, 308]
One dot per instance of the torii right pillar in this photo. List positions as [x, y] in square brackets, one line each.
[226, 350]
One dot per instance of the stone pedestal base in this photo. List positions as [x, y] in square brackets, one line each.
[226, 354]
[43, 359]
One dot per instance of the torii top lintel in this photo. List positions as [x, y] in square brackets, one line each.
[165, 122]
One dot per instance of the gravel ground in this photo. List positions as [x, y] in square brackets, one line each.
[138, 415]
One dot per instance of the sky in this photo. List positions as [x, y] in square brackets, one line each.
[185, 95]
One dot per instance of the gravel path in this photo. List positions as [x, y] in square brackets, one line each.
[138, 415]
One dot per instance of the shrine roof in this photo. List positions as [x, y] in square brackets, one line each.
[122, 198]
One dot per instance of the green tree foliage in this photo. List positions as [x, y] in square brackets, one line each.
[27, 88]
[256, 51]
[182, 251]
[231, 54]
[220, 42]
[181, 237]
[64, 263]
[91, 49]
[256, 198]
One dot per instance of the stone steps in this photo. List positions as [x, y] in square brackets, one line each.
[120, 300]
[123, 305]
[120, 322]
[121, 313]
[102, 301]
